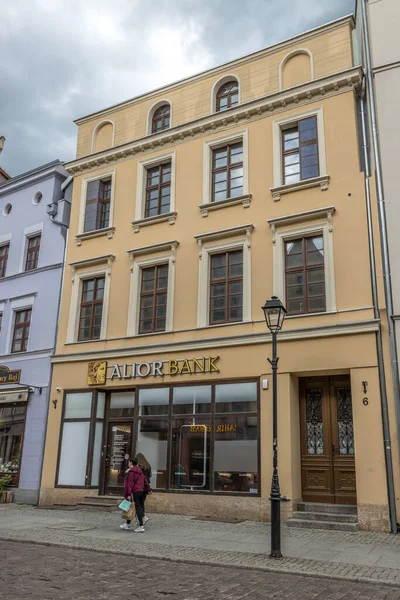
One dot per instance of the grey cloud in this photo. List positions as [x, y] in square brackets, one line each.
[63, 59]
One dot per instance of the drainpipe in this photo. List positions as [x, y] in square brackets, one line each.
[379, 346]
[59, 223]
[382, 216]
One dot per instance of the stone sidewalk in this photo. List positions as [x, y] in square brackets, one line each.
[360, 556]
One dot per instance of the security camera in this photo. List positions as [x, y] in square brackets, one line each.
[58, 389]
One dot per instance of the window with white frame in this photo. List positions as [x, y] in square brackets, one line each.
[304, 268]
[89, 300]
[155, 193]
[225, 168]
[151, 305]
[97, 203]
[299, 148]
[224, 294]
[19, 324]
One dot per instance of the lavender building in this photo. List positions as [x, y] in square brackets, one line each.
[34, 215]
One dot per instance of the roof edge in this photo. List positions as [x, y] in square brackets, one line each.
[349, 18]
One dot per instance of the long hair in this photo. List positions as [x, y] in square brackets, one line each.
[142, 462]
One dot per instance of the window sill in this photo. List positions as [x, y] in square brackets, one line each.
[170, 217]
[322, 182]
[107, 232]
[244, 200]
[311, 314]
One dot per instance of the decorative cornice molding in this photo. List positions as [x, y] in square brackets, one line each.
[304, 333]
[243, 200]
[275, 103]
[221, 234]
[170, 217]
[106, 259]
[108, 232]
[322, 181]
[170, 246]
[307, 215]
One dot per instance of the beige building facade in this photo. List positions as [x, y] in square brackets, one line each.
[192, 205]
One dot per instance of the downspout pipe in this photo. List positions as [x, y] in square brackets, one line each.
[65, 235]
[381, 215]
[379, 345]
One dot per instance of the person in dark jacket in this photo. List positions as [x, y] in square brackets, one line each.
[146, 468]
[134, 489]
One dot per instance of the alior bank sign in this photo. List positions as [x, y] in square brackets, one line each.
[100, 371]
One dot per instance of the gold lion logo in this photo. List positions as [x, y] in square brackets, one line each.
[97, 372]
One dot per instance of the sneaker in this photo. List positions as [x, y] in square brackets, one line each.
[124, 526]
[145, 519]
[139, 529]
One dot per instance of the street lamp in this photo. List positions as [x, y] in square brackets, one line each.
[274, 313]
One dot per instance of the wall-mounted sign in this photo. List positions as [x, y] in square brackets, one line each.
[99, 372]
[12, 397]
[7, 376]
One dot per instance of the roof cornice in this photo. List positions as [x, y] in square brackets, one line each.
[278, 102]
[302, 37]
[32, 176]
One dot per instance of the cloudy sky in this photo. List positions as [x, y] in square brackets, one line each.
[62, 59]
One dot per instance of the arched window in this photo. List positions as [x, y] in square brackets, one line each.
[227, 96]
[161, 119]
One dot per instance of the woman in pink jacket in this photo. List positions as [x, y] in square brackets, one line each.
[134, 490]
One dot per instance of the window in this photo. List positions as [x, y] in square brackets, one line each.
[300, 151]
[158, 190]
[91, 309]
[22, 325]
[153, 299]
[227, 96]
[12, 418]
[98, 201]
[3, 259]
[305, 275]
[81, 437]
[227, 172]
[226, 287]
[32, 252]
[161, 119]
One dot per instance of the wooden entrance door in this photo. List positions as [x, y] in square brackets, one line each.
[327, 440]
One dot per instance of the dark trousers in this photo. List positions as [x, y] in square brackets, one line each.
[138, 498]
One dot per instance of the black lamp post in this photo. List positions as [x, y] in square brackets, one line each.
[274, 313]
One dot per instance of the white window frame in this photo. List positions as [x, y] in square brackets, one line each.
[203, 302]
[76, 296]
[137, 265]
[217, 85]
[209, 146]
[23, 303]
[142, 167]
[151, 112]
[282, 123]
[30, 232]
[286, 234]
[106, 175]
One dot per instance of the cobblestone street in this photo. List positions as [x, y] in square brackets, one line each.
[45, 573]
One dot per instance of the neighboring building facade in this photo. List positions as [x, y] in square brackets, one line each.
[191, 206]
[32, 246]
[384, 23]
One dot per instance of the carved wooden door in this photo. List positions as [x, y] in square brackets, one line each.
[327, 440]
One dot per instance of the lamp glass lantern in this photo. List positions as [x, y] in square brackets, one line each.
[274, 313]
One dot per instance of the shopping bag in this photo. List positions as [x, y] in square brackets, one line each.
[128, 515]
[125, 505]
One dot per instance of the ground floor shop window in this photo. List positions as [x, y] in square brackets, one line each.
[81, 439]
[197, 438]
[12, 425]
